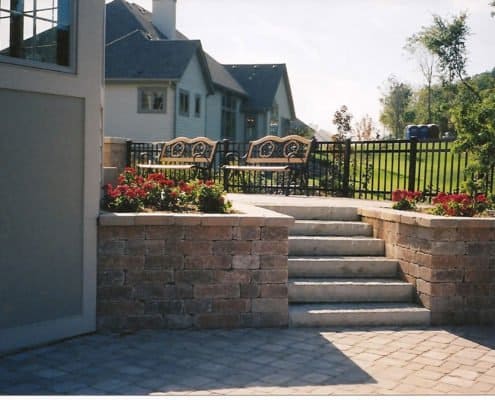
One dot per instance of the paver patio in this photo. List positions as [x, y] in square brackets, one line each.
[458, 360]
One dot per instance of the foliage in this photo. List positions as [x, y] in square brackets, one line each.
[405, 199]
[395, 102]
[342, 119]
[447, 40]
[460, 205]
[155, 191]
[366, 129]
[426, 61]
[475, 125]
[210, 198]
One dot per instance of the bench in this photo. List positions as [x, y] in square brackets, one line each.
[286, 155]
[185, 154]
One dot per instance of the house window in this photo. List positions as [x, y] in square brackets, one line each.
[184, 103]
[229, 112]
[197, 106]
[37, 32]
[152, 100]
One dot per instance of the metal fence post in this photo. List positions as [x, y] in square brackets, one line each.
[128, 156]
[225, 150]
[347, 168]
[411, 186]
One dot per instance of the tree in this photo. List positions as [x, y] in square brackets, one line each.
[395, 114]
[342, 119]
[447, 40]
[365, 129]
[426, 60]
[493, 5]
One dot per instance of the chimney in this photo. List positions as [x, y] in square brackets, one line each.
[164, 17]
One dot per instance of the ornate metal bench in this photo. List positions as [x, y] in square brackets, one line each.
[287, 156]
[185, 154]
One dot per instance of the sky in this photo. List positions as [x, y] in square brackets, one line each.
[337, 52]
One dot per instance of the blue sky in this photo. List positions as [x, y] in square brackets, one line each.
[337, 52]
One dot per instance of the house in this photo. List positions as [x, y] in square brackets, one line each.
[160, 84]
[51, 133]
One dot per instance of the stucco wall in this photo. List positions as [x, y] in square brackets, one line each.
[62, 113]
[123, 120]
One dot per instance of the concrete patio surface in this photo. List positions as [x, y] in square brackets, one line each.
[459, 360]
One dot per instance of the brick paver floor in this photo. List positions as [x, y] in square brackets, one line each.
[457, 360]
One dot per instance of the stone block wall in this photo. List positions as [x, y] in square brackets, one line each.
[450, 261]
[181, 271]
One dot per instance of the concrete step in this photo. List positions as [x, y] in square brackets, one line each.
[330, 228]
[341, 246]
[342, 267]
[358, 314]
[317, 213]
[349, 290]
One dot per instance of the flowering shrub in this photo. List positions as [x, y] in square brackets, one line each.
[210, 198]
[156, 192]
[405, 199]
[460, 205]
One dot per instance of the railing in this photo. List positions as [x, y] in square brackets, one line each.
[365, 170]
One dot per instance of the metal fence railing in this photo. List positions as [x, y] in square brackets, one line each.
[360, 169]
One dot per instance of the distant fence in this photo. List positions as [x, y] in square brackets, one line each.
[360, 169]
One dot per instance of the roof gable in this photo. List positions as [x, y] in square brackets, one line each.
[124, 19]
[134, 56]
[261, 82]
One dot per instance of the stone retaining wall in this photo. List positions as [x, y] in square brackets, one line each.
[181, 271]
[451, 261]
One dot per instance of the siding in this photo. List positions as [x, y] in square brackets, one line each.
[282, 100]
[214, 117]
[192, 81]
[123, 120]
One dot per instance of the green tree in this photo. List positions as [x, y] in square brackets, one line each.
[396, 114]
[426, 61]
[342, 120]
[447, 40]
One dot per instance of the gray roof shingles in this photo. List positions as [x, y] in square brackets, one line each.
[128, 56]
[260, 82]
[136, 57]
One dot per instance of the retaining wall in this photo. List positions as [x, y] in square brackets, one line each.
[451, 261]
[193, 270]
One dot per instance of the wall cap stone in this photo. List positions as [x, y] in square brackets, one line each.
[114, 140]
[426, 220]
[245, 215]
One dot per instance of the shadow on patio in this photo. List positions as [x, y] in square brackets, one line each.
[181, 362]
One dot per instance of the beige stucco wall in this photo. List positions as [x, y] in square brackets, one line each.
[82, 122]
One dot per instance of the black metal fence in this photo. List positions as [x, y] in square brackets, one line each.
[361, 169]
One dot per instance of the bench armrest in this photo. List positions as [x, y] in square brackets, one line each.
[234, 156]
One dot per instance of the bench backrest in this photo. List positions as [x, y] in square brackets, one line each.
[199, 150]
[292, 149]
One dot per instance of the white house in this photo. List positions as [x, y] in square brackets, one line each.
[160, 84]
[51, 92]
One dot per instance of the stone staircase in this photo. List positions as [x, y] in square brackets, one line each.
[338, 275]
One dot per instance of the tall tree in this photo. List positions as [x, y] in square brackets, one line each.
[342, 120]
[426, 61]
[395, 102]
[365, 129]
[447, 40]
[493, 5]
